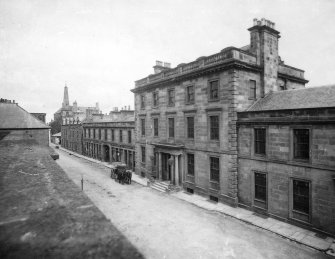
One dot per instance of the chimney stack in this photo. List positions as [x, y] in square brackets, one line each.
[161, 66]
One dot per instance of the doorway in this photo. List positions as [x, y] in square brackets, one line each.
[106, 153]
[166, 167]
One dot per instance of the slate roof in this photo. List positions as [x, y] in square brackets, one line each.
[312, 97]
[12, 116]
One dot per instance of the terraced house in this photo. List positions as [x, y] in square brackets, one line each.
[110, 138]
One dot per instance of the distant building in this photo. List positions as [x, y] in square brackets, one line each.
[40, 116]
[73, 113]
[72, 137]
[16, 124]
[111, 138]
[56, 138]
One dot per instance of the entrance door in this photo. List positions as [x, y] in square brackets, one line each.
[166, 168]
[106, 153]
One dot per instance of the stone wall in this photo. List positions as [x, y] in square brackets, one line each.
[281, 168]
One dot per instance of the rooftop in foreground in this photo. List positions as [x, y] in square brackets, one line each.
[44, 215]
[12, 116]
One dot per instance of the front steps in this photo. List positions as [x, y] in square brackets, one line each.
[165, 186]
[161, 186]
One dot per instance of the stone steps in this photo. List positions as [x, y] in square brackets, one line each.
[160, 186]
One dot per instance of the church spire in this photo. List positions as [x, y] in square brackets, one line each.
[66, 97]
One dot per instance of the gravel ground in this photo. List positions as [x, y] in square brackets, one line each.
[161, 226]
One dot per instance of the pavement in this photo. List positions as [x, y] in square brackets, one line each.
[293, 233]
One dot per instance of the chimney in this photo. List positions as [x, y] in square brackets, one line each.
[264, 44]
[161, 66]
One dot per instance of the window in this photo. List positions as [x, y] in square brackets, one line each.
[214, 127]
[156, 127]
[190, 127]
[120, 136]
[301, 143]
[190, 94]
[155, 99]
[143, 127]
[99, 132]
[214, 169]
[214, 90]
[260, 187]
[105, 134]
[129, 136]
[113, 135]
[190, 164]
[94, 133]
[252, 90]
[142, 102]
[171, 97]
[301, 196]
[143, 154]
[171, 127]
[260, 141]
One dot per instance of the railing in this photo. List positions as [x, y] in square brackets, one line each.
[190, 66]
[230, 53]
[218, 57]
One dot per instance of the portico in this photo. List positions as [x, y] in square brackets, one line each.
[169, 163]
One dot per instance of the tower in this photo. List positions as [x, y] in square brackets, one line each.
[264, 44]
[66, 97]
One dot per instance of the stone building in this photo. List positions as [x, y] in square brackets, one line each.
[186, 117]
[16, 124]
[286, 153]
[69, 114]
[110, 138]
[72, 137]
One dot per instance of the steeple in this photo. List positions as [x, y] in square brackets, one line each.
[66, 97]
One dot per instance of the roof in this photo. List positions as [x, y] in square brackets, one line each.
[12, 116]
[59, 134]
[312, 97]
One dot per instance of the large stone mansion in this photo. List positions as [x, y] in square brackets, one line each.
[240, 127]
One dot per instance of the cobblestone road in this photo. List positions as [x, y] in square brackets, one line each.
[161, 226]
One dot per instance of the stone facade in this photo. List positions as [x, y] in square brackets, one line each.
[110, 141]
[281, 168]
[210, 90]
[72, 137]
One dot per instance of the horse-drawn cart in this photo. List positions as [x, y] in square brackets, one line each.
[120, 173]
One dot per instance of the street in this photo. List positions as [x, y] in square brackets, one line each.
[161, 226]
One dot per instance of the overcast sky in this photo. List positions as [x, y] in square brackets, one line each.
[101, 47]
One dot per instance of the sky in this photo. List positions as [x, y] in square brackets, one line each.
[99, 48]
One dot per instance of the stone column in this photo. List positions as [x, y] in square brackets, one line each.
[110, 153]
[172, 180]
[176, 170]
[160, 166]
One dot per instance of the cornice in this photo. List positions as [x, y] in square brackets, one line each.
[222, 66]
